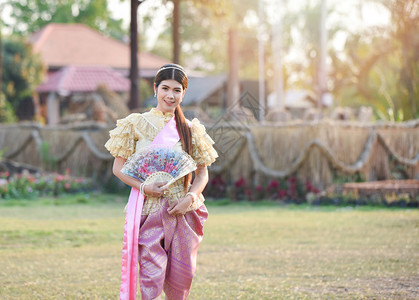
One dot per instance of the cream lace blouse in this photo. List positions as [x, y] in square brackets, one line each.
[137, 131]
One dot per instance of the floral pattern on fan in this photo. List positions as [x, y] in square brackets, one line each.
[159, 163]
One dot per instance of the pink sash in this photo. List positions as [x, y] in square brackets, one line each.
[168, 136]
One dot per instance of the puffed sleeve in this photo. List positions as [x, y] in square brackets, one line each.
[202, 150]
[122, 139]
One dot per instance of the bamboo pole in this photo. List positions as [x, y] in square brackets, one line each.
[261, 57]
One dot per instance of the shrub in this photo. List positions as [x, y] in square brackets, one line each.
[26, 185]
[239, 189]
[216, 188]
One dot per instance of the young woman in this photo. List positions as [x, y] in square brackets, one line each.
[167, 229]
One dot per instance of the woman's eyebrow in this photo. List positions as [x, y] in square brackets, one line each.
[175, 88]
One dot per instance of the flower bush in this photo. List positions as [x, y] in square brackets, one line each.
[289, 190]
[26, 185]
[216, 188]
[240, 190]
[293, 190]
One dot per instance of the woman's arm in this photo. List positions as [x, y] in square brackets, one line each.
[154, 189]
[199, 183]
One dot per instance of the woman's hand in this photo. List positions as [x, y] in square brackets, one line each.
[180, 206]
[155, 189]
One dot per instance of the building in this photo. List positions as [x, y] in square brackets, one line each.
[78, 59]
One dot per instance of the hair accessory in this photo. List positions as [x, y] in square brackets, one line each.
[170, 67]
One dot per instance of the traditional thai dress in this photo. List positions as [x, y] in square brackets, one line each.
[167, 245]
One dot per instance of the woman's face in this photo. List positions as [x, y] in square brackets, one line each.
[169, 95]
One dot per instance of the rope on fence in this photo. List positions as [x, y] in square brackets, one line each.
[19, 148]
[402, 160]
[92, 147]
[67, 153]
[260, 166]
[357, 166]
[229, 160]
[254, 153]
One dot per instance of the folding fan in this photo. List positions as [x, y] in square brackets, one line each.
[159, 164]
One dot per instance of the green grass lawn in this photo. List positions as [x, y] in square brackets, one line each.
[73, 251]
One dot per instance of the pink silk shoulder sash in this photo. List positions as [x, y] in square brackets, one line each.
[168, 136]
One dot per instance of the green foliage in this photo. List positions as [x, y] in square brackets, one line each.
[146, 90]
[22, 72]
[7, 114]
[47, 158]
[381, 68]
[31, 15]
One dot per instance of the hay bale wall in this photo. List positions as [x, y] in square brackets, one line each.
[317, 151]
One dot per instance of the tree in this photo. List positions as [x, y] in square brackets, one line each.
[175, 34]
[22, 71]
[198, 34]
[133, 73]
[378, 66]
[381, 67]
[31, 15]
[6, 112]
[1, 55]
[405, 19]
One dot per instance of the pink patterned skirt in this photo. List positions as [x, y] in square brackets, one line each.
[168, 246]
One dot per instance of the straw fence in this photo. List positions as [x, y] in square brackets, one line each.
[321, 151]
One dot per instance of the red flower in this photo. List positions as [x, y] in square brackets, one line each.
[273, 185]
[311, 188]
[240, 183]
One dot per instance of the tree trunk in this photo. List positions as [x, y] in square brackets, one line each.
[408, 79]
[277, 57]
[1, 59]
[233, 92]
[134, 93]
[261, 60]
[176, 37]
[322, 72]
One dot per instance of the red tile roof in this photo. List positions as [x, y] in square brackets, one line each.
[77, 44]
[83, 79]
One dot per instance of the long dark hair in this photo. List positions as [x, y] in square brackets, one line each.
[176, 72]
